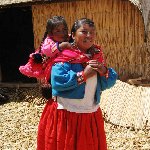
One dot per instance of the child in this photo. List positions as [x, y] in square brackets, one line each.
[54, 41]
[39, 63]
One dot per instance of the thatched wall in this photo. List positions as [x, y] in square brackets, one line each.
[120, 30]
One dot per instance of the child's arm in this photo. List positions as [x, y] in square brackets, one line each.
[64, 45]
[49, 48]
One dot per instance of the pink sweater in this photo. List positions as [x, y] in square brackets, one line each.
[49, 48]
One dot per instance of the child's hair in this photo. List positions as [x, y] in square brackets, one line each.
[78, 24]
[52, 23]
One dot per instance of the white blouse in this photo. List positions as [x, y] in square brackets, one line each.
[85, 105]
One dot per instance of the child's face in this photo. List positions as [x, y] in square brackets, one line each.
[84, 37]
[60, 33]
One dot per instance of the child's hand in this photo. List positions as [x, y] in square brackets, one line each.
[65, 45]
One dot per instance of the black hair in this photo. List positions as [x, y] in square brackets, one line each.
[78, 23]
[54, 22]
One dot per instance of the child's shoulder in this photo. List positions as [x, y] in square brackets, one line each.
[49, 40]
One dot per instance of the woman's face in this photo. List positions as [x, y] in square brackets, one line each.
[60, 33]
[84, 37]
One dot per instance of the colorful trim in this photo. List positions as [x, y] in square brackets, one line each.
[81, 77]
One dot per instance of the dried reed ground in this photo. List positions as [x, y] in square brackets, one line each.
[19, 122]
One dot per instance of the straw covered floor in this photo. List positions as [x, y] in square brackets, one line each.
[20, 117]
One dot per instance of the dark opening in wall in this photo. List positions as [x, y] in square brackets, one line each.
[16, 43]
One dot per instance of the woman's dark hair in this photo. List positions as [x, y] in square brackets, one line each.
[78, 24]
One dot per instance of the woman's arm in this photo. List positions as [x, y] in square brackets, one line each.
[109, 81]
[63, 78]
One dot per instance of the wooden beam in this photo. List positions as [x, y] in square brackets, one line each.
[19, 85]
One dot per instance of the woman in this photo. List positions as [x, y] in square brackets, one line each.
[73, 120]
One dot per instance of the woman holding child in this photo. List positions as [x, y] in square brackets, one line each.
[75, 68]
[72, 119]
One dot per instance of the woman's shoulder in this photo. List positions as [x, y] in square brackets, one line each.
[66, 64]
[98, 48]
[62, 65]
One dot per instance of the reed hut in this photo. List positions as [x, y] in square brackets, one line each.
[122, 28]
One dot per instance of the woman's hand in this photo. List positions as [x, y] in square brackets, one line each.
[89, 71]
[97, 66]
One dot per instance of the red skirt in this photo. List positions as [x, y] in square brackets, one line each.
[64, 130]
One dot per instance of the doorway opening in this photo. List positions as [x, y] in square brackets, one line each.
[17, 42]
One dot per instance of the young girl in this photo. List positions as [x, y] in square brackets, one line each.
[72, 120]
[39, 63]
